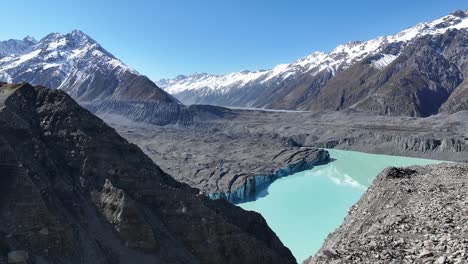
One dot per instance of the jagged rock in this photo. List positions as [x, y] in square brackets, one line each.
[399, 172]
[102, 200]
[425, 253]
[121, 211]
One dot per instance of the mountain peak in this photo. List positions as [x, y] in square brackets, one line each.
[78, 34]
[30, 39]
[76, 38]
[460, 13]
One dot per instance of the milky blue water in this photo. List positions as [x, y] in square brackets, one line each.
[305, 207]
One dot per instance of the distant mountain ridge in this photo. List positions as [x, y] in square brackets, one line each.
[302, 85]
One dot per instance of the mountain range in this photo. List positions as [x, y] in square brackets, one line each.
[78, 65]
[417, 72]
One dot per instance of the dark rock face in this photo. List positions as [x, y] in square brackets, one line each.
[73, 191]
[294, 91]
[244, 187]
[414, 215]
[458, 100]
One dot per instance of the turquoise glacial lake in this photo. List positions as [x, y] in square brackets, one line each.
[305, 207]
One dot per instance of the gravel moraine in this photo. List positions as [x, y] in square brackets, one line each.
[409, 215]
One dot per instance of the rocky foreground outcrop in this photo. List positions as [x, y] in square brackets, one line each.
[73, 191]
[408, 215]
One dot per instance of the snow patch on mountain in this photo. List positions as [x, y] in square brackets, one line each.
[13, 61]
[383, 61]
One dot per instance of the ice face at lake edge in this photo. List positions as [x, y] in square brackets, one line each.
[305, 207]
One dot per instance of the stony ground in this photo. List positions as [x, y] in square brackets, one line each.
[412, 215]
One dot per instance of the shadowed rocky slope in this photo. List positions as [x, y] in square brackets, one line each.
[73, 191]
[411, 215]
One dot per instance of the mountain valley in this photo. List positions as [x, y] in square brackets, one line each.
[100, 164]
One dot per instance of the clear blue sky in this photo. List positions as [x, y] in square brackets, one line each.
[166, 38]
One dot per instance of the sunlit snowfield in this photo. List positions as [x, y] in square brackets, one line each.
[305, 207]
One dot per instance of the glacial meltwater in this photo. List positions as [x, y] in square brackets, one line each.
[305, 207]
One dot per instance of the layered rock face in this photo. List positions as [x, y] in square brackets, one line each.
[410, 215]
[74, 191]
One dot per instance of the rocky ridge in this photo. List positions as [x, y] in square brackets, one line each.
[74, 191]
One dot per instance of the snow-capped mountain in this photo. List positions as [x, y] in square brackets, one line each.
[15, 47]
[77, 64]
[289, 85]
